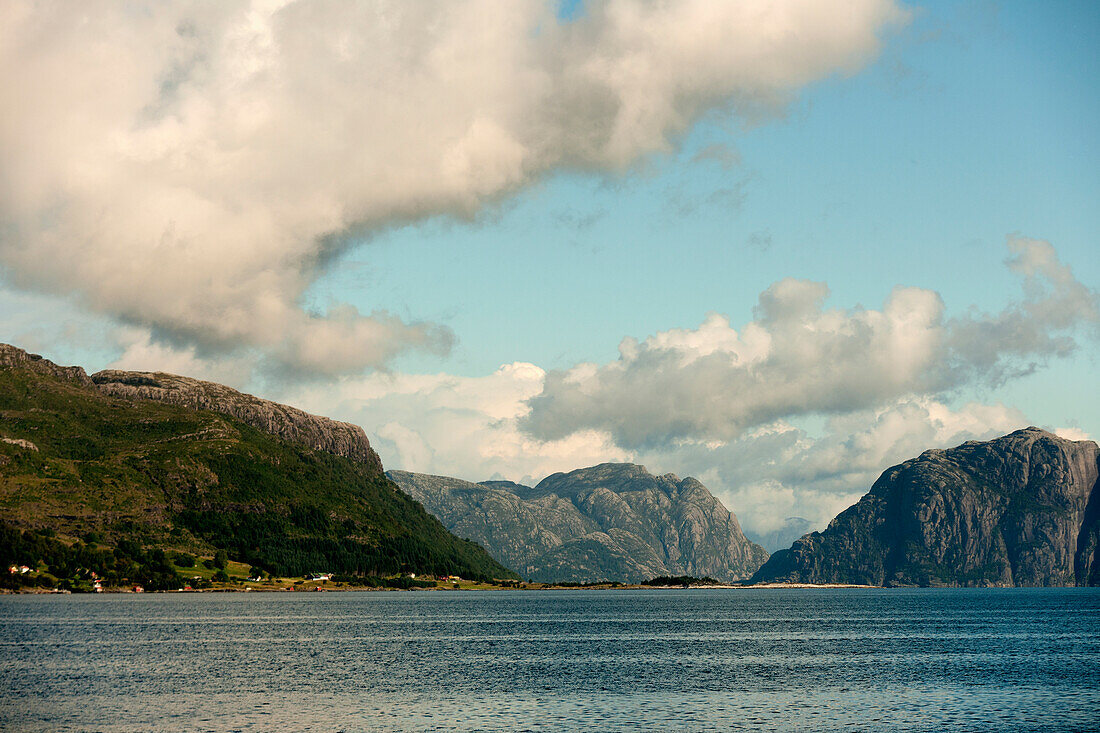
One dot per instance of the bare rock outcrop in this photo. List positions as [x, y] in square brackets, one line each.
[1020, 510]
[13, 356]
[288, 423]
[20, 443]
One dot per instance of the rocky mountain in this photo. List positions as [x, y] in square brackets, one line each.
[782, 537]
[289, 423]
[12, 358]
[1023, 510]
[157, 461]
[615, 521]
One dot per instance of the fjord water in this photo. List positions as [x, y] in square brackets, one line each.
[853, 659]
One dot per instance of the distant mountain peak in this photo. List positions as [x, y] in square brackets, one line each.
[612, 521]
[504, 485]
[781, 537]
[614, 477]
[603, 470]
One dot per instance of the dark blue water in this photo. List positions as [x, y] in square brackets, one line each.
[1021, 659]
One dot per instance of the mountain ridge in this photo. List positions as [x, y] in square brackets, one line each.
[290, 423]
[612, 521]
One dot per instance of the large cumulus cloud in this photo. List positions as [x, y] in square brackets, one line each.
[798, 358]
[190, 167]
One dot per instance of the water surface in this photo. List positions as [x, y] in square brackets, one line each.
[852, 659]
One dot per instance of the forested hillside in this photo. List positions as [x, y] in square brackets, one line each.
[135, 476]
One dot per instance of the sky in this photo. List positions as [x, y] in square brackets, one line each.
[776, 246]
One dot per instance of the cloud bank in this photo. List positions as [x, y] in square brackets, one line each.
[732, 407]
[191, 167]
[798, 358]
[456, 426]
[779, 470]
[469, 427]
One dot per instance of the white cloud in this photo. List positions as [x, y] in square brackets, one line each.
[467, 427]
[1070, 433]
[190, 167]
[1016, 341]
[780, 470]
[456, 426]
[798, 358]
[142, 354]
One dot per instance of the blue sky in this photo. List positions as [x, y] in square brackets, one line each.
[977, 122]
[973, 123]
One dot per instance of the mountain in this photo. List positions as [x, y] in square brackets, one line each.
[149, 460]
[1023, 510]
[615, 521]
[778, 539]
[288, 423]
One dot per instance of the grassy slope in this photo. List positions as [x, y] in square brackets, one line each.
[171, 477]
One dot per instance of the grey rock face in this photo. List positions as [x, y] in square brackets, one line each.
[12, 356]
[289, 423]
[614, 521]
[779, 539]
[1022, 510]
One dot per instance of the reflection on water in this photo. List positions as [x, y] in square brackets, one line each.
[994, 659]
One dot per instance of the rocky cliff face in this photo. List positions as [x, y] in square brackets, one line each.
[11, 356]
[1020, 510]
[609, 522]
[288, 423]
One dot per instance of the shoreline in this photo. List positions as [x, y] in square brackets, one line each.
[469, 587]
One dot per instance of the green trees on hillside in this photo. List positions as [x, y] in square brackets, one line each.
[276, 545]
[681, 580]
[78, 566]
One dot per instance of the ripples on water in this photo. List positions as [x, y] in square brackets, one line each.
[1007, 659]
